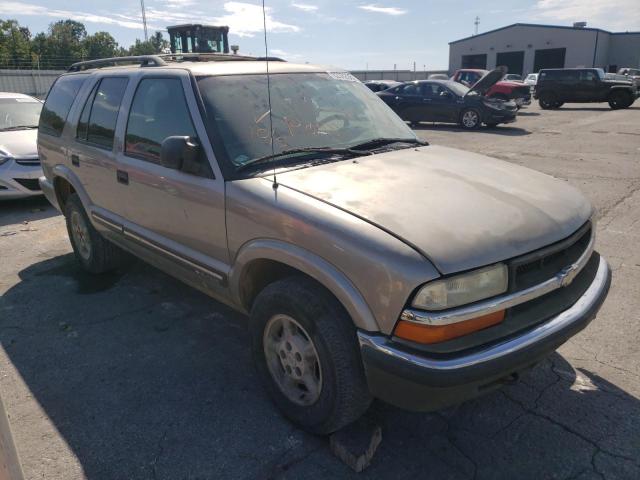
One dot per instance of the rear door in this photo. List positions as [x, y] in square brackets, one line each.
[177, 215]
[92, 149]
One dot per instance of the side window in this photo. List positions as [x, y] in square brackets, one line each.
[410, 89]
[59, 101]
[83, 123]
[101, 110]
[588, 75]
[159, 110]
[427, 89]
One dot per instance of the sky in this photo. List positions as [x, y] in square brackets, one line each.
[349, 34]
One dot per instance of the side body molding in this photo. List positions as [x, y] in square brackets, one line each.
[310, 264]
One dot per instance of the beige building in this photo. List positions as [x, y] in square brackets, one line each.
[526, 48]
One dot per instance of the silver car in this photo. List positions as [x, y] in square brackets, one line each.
[370, 263]
[19, 163]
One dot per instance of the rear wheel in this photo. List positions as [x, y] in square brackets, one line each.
[619, 100]
[306, 352]
[470, 119]
[95, 253]
[547, 101]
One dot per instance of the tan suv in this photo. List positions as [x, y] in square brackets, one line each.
[371, 264]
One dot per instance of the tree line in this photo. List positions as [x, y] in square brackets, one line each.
[64, 42]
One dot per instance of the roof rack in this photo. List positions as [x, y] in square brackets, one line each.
[142, 60]
[162, 59]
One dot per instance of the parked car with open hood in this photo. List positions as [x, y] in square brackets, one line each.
[503, 90]
[19, 163]
[450, 102]
[370, 263]
[380, 85]
[583, 85]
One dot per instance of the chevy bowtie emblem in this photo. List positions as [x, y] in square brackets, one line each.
[568, 274]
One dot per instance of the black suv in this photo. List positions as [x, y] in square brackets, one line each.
[581, 85]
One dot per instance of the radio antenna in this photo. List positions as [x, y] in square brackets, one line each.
[266, 58]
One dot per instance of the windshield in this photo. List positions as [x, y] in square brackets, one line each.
[309, 110]
[19, 112]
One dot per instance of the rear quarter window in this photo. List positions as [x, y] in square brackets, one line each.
[58, 103]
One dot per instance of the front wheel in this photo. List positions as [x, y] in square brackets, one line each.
[618, 100]
[306, 352]
[470, 119]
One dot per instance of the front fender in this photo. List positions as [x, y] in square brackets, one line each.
[314, 266]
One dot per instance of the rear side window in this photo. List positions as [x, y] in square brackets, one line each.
[98, 118]
[159, 110]
[59, 101]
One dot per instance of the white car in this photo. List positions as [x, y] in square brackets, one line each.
[531, 79]
[19, 163]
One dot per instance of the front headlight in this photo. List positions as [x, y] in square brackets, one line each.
[499, 105]
[462, 289]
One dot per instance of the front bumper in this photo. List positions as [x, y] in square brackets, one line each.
[400, 376]
[19, 181]
[499, 116]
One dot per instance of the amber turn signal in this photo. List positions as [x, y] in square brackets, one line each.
[421, 333]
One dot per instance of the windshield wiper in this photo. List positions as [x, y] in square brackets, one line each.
[293, 151]
[18, 127]
[380, 142]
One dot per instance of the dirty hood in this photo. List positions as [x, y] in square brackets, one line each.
[459, 209]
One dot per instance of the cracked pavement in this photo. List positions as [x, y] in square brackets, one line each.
[135, 375]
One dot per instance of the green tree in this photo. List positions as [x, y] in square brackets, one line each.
[15, 45]
[100, 45]
[65, 43]
[156, 44]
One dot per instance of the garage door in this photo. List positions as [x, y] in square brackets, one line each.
[549, 58]
[514, 61]
[474, 61]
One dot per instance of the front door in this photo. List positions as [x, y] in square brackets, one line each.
[176, 213]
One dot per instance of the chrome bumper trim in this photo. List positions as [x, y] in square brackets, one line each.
[563, 278]
[589, 299]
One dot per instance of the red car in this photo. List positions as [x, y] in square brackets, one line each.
[505, 90]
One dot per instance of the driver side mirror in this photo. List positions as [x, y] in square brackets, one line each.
[445, 94]
[177, 151]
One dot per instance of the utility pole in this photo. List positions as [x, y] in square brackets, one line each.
[476, 23]
[144, 21]
[414, 70]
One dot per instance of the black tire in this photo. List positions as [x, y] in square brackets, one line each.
[344, 395]
[547, 100]
[558, 104]
[98, 255]
[618, 100]
[465, 119]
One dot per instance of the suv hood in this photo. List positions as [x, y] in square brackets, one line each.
[483, 85]
[459, 209]
[20, 143]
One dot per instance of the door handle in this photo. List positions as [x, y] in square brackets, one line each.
[75, 160]
[123, 177]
